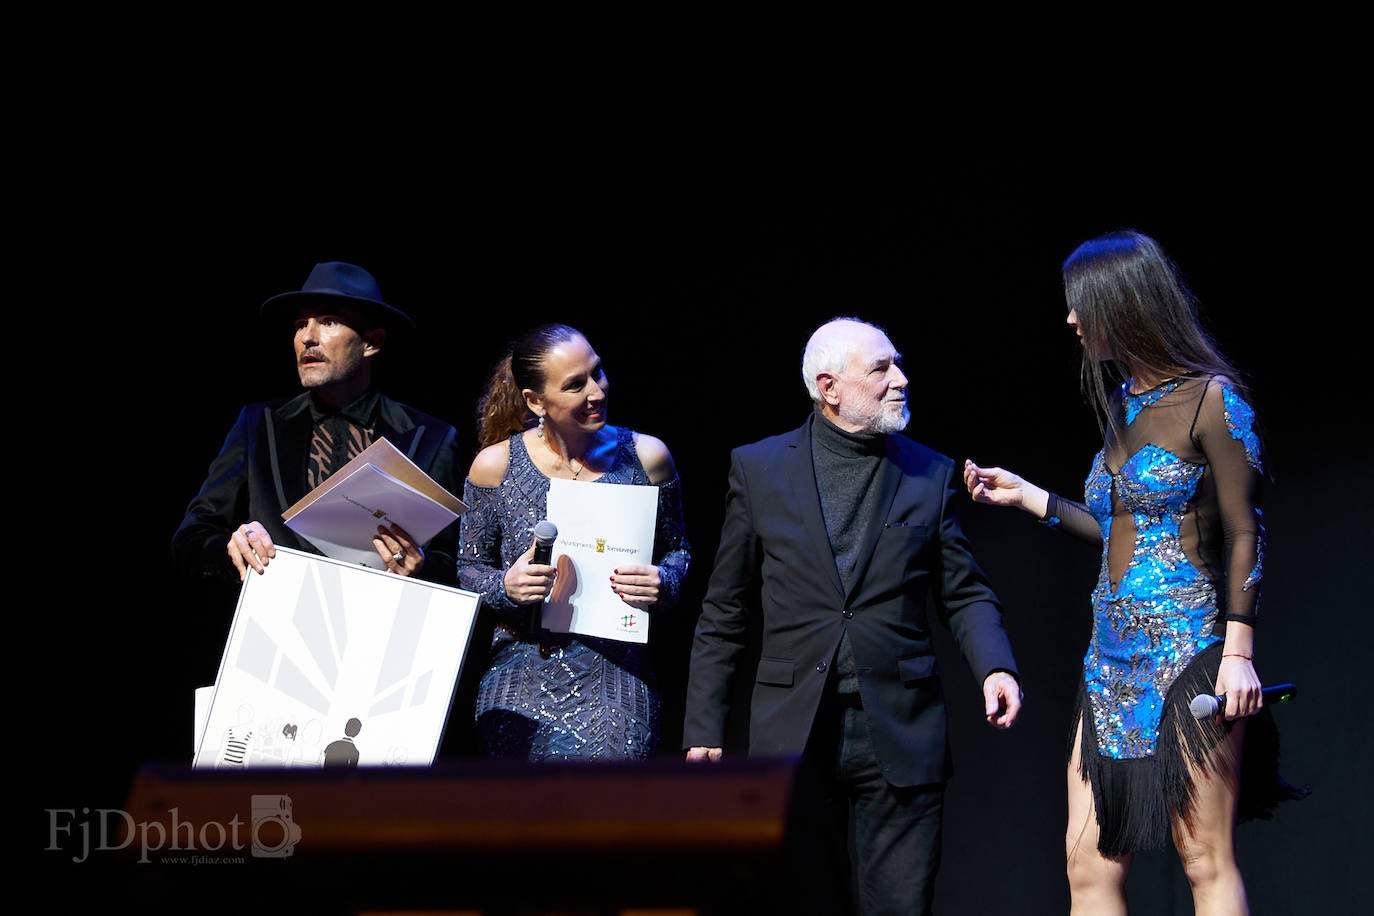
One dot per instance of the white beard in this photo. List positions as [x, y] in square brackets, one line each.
[881, 421]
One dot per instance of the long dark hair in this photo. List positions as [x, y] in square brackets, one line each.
[501, 410]
[1135, 310]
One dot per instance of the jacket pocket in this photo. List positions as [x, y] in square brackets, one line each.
[916, 668]
[776, 671]
[915, 528]
[907, 538]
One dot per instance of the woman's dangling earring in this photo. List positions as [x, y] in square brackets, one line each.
[540, 431]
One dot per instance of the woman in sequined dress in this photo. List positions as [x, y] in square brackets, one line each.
[558, 696]
[1173, 498]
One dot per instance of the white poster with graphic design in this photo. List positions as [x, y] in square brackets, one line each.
[600, 526]
[333, 664]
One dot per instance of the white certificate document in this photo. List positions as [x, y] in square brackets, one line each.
[600, 526]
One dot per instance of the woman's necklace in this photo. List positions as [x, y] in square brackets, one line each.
[571, 462]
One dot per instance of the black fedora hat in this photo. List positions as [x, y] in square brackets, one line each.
[335, 281]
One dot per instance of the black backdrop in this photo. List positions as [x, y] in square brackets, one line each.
[698, 286]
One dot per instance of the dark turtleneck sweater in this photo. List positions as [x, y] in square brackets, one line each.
[846, 466]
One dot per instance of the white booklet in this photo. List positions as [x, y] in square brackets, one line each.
[600, 526]
[380, 486]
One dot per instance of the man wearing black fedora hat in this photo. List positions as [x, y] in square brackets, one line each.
[278, 451]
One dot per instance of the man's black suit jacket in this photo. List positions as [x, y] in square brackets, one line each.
[775, 574]
[260, 472]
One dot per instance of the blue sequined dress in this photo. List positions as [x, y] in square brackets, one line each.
[1174, 499]
[551, 696]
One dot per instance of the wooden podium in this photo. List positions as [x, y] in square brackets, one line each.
[471, 836]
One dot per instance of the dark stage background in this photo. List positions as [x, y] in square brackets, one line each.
[699, 286]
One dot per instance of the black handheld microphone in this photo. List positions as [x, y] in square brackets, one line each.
[1205, 705]
[545, 533]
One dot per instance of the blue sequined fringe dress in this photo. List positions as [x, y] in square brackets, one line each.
[1174, 498]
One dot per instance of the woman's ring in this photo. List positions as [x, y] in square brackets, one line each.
[398, 556]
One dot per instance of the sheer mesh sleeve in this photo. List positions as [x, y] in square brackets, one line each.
[671, 548]
[1225, 431]
[1072, 518]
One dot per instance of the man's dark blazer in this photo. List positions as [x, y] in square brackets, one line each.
[260, 472]
[775, 574]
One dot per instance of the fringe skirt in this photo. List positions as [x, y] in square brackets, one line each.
[1137, 799]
